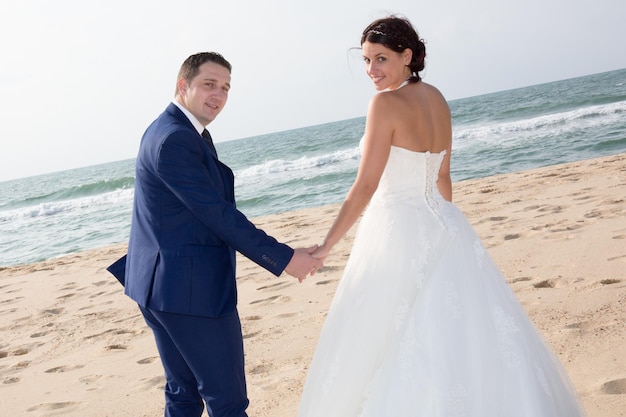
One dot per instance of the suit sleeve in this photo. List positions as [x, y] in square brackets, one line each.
[191, 174]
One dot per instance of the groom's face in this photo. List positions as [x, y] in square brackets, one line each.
[206, 94]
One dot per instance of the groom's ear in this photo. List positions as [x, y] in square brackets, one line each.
[181, 87]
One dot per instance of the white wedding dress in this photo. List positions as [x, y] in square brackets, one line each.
[423, 324]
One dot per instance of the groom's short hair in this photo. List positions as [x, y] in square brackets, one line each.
[191, 67]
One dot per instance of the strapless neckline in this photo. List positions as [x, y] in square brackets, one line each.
[418, 152]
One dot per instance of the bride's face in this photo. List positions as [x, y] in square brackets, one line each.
[387, 68]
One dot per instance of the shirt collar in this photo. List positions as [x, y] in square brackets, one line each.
[190, 116]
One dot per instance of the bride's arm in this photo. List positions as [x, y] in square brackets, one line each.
[444, 181]
[375, 152]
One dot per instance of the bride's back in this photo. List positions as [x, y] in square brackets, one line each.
[421, 119]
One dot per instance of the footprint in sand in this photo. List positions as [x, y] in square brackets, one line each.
[124, 331]
[260, 369]
[148, 360]
[615, 387]
[52, 311]
[13, 291]
[11, 380]
[547, 283]
[10, 300]
[593, 214]
[156, 382]
[69, 286]
[89, 379]
[20, 352]
[64, 368]
[277, 286]
[8, 311]
[93, 336]
[584, 197]
[328, 268]
[616, 258]
[21, 365]
[251, 334]
[497, 218]
[530, 208]
[619, 201]
[325, 282]
[40, 334]
[97, 295]
[566, 228]
[111, 331]
[552, 209]
[65, 296]
[53, 406]
[281, 298]
[582, 326]
[583, 192]
[285, 315]
[272, 384]
[116, 347]
[549, 175]
[610, 281]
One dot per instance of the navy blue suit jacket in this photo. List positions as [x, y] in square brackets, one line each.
[185, 227]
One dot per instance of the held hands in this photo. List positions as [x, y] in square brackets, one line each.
[303, 264]
[321, 252]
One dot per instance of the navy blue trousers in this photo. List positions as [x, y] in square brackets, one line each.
[203, 362]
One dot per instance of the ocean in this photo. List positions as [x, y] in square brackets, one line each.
[51, 215]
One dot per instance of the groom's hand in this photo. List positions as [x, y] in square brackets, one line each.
[303, 264]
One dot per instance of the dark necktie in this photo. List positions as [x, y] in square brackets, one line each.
[207, 137]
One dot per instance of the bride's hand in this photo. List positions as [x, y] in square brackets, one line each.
[321, 252]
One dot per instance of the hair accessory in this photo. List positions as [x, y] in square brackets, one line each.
[377, 32]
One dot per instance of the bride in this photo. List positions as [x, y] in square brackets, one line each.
[422, 323]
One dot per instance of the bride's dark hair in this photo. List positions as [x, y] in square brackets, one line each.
[397, 34]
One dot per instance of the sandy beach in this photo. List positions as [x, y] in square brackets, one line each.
[71, 343]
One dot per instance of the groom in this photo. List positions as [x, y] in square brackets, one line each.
[180, 266]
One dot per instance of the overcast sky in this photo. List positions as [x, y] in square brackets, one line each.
[81, 80]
